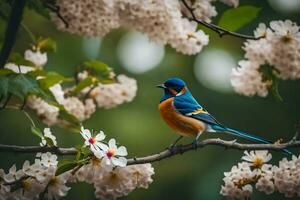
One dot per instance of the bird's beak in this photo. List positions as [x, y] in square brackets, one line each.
[161, 86]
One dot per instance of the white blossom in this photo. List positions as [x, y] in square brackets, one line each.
[248, 80]
[112, 155]
[89, 107]
[48, 113]
[82, 75]
[113, 183]
[265, 184]
[257, 158]
[286, 47]
[141, 174]
[48, 159]
[163, 17]
[57, 187]
[75, 107]
[111, 95]
[203, 9]
[279, 47]
[90, 172]
[233, 3]
[36, 57]
[49, 135]
[19, 69]
[13, 174]
[94, 143]
[57, 92]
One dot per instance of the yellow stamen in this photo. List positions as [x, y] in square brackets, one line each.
[25, 184]
[258, 162]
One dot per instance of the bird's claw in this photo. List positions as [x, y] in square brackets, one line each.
[195, 144]
[171, 147]
[233, 141]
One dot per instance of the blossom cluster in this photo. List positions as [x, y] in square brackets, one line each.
[278, 49]
[106, 169]
[166, 19]
[114, 94]
[267, 178]
[34, 179]
[123, 90]
[111, 183]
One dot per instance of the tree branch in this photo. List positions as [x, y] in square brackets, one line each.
[180, 149]
[12, 29]
[221, 31]
[36, 149]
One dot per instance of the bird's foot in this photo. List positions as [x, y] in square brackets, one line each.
[195, 144]
[233, 141]
[171, 147]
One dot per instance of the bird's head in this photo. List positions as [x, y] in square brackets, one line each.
[173, 87]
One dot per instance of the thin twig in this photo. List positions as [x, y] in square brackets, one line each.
[29, 33]
[161, 155]
[221, 31]
[56, 10]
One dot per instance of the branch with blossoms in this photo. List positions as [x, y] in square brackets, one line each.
[219, 30]
[255, 170]
[27, 86]
[169, 152]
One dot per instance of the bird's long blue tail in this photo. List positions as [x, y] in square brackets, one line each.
[245, 136]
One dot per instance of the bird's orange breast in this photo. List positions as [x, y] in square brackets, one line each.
[184, 125]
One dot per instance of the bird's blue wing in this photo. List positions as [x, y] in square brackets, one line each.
[188, 106]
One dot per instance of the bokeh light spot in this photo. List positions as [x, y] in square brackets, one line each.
[285, 6]
[91, 47]
[213, 67]
[138, 54]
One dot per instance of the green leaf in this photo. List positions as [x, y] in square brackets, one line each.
[5, 72]
[85, 151]
[97, 65]
[65, 165]
[46, 44]
[22, 85]
[89, 81]
[17, 59]
[100, 68]
[36, 131]
[49, 141]
[65, 115]
[78, 155]
[235, 18]
[275, 92]
[269, 75]
[51, 78]
[37, 6]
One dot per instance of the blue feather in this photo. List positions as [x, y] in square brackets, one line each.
[245, 135]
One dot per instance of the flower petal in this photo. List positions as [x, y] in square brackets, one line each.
[13, 169]
[94, 148]
[112, 143]
[85, 133]
[102, 146]
[105, 162]
[100, 136]
[119, 161]
[122, 151]
[99, 154]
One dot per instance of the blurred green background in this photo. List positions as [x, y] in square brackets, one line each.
[138, 126]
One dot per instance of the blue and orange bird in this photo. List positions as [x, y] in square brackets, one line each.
[187, 117]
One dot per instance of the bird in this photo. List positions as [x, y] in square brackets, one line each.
[187, 117]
